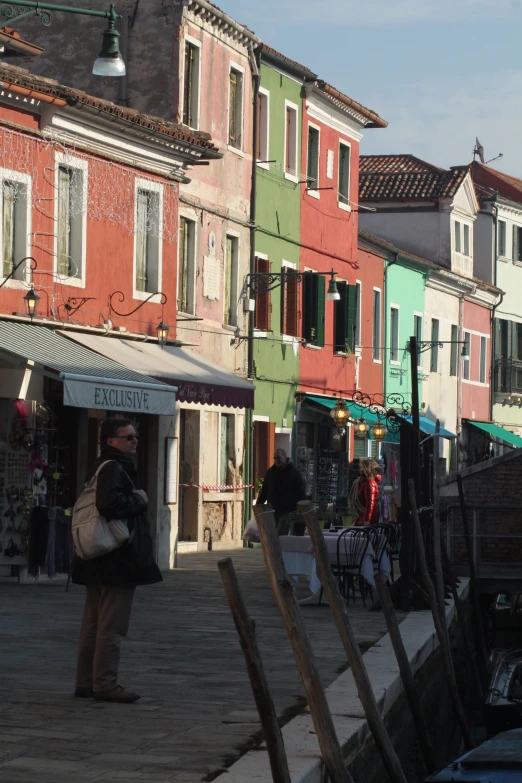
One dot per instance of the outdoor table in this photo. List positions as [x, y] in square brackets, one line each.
[299, 560]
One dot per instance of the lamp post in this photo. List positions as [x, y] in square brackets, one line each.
[109, 61]
[259, 283]
[31, 300]
[162, 329]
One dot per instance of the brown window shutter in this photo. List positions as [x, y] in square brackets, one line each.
[263, 303]
[258, 130]
[291, 305]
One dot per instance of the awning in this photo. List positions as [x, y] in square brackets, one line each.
[496, 431]
[90, 380]
[428, 426]
[197, 379]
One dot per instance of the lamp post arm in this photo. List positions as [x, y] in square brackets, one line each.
[111, 14]
[121, 298]
[13, 271]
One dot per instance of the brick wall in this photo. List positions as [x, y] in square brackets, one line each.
[495, 483]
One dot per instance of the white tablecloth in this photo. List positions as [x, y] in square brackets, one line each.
[299, 560]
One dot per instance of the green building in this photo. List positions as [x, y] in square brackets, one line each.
[277, 245]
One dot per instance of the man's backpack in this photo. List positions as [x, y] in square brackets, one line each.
[93, 535]
[355, 507]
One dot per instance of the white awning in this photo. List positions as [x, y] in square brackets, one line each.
[196, 378]
[90, 379]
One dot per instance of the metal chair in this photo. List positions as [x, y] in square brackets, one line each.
[394, 546]
[352, 546]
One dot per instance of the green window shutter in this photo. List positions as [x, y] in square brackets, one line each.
[8, 226]
[64, 221]
[351, 312]
[359, 448]
[319, 303]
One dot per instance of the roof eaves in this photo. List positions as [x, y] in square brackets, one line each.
[285, 63]
[222, 20]
[375, 121]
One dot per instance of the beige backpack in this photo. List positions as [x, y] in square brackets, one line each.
[93, 535]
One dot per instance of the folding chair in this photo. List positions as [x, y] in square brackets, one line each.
[352, 546]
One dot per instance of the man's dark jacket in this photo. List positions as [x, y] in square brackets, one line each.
[133, 563]
[283, 488]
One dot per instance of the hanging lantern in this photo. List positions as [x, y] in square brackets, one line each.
[361, 428]
[379, 431]
[162, 330]
[340, 414]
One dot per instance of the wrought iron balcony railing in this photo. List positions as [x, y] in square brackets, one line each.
[508, 376]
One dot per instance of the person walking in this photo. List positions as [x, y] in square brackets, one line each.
[111, 579]
[283, 487]
[364, 494]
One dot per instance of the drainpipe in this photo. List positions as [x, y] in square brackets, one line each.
[493, 310]
[459, 381]
[255, 60]
[395, 260]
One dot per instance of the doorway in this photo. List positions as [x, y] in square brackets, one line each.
[189, 425]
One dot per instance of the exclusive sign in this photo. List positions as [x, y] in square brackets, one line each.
[130, 399]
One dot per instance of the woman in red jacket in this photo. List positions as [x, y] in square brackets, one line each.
[367, 494]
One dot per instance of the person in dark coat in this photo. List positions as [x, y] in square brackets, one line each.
[111, 580]
[283, 487]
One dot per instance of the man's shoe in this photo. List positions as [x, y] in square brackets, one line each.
[83, 693]
[119, 695]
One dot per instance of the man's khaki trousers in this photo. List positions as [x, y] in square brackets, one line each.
[105, 623]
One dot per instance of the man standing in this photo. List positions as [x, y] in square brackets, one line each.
[283, 487]
[111, 580]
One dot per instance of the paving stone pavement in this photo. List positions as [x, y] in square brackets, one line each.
[196, 713]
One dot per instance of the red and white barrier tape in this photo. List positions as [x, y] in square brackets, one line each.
[215, 488]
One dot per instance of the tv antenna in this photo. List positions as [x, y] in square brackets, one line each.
[479, 150]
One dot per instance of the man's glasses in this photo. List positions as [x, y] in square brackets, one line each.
[125, 437]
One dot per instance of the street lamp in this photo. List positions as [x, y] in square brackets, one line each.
[340, 414]
[31, 300]
[162, 331]
[379, 431]
[333, 294]
[109, 61]
[361, 428]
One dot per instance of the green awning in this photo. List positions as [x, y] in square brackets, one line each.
[496, 431]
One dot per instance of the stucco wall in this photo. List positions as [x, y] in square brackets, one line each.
[476, 395]
[413, 230]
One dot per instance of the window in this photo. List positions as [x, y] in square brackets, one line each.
[263, 301]
[458, 246]
[226, 448]
[394, 334]
[483, 358]
[517, 244]
[313, 308]
[291, 141]
[518, 341]
[501, 238]
[417, 331]
[186, 265]
[467, 358]
[344, 175]
[70, 220]
[262, 126]
[466, 241]
[231, 277]
[14, 229]
[312, 170]
[191, 86]
[454, 357]
[434, 361]
[148, 246]
[376, 325]
[290, 304]
[345, 319]
[235, 109]
[358, 310]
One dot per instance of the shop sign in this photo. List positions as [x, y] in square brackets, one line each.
[102, 396]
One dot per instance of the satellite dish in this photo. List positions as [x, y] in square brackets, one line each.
[479, 150]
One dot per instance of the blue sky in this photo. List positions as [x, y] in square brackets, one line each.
[439, 71]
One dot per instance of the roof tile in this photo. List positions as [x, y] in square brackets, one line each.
[406, 178]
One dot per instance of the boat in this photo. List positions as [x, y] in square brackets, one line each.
[497, 760]
[503, 708]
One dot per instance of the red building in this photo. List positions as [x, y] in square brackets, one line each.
[332, 130]
[89, 198]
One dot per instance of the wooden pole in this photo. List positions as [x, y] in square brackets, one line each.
[353, 653]
[447, 663]
[287, 604]
[481, 638]
[470, 652]
[246, 629]
[408, 680]
[437, 554]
